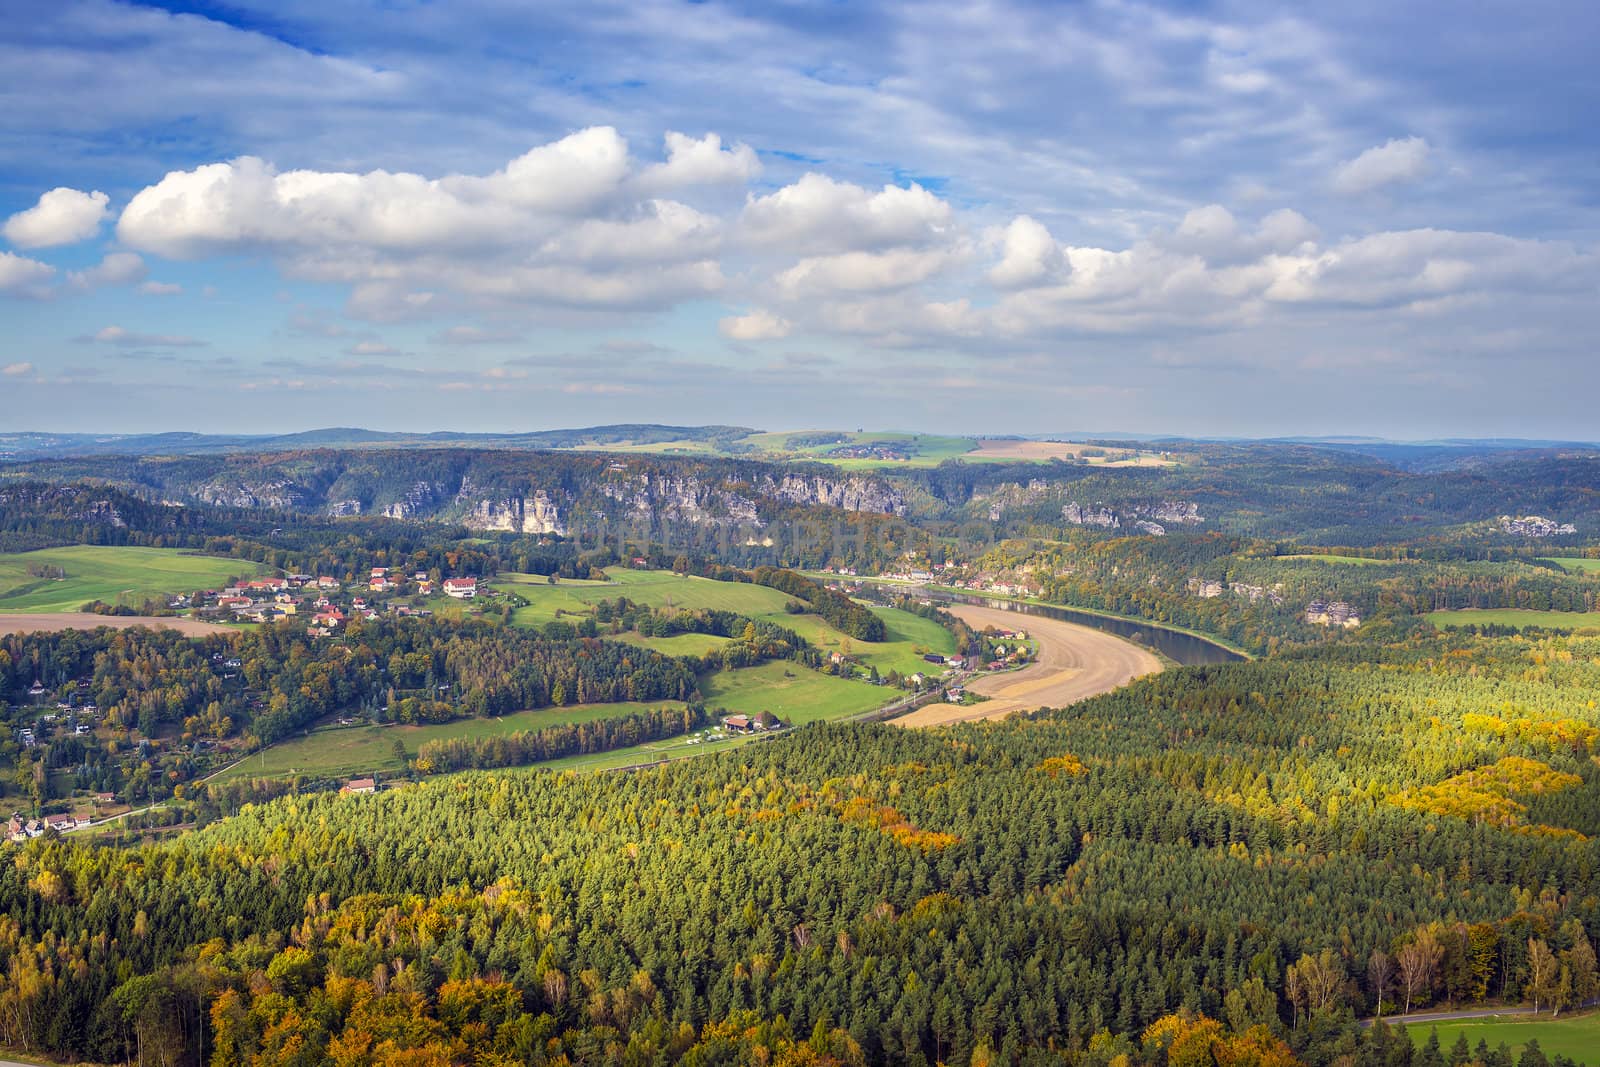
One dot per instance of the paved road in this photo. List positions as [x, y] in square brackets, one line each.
[1074, 662]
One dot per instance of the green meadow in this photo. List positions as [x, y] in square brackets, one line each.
[791, 692]
[909, 635]
[113, 575]
[1355, 561]
[794, 694]
[1564, 620]
[1574, 1036]
[677, 644]
[356, 750]
[656, 589]
[1574, 563]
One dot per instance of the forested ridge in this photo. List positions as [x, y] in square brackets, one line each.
[1277, 846]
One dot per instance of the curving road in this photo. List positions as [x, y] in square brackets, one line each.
[1074, 662]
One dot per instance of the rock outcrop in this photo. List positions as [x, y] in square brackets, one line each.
[1151, 518]
[519, 514]
[1535, 526]
[278, 494]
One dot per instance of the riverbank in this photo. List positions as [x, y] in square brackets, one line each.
[1073, 662]
[910, 587]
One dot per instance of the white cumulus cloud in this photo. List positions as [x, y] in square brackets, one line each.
[864, 271]
[1393, 162]
[1029, 256]
[117, 268]
[22, 276]
[565, 223]
[758, 325]
[61, 217]
[819, 214]
[16, 370]
[700, 161]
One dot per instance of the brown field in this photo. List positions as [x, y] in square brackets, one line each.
[989, 448]
[1074, 662]
[83, 620]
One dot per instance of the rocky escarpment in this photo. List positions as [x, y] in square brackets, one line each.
[421, 500]
[1535, 526]
[1148, 518]
[849, 493]
[526, 493]
[278, 494]
[653, 497]
[534, 513]
[67, 502]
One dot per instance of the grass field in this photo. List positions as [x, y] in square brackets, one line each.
[651, 752]
[356, 750]
[1358, 561]
[677, 645]
[1565, 620]
[655, 589]
[909, 635]
[113, 575]
[1573, 563]
[1575, 1036]
[792, 693]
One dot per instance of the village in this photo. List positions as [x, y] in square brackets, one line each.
[66, 710]
[327, 600]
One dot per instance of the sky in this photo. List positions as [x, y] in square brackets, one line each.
[1231, 218]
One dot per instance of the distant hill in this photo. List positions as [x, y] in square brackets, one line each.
[49, 446]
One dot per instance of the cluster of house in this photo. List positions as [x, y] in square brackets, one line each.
[1008, 657]
[20, 829]
[79, 717]
[750, 724]
[270, 599]
[1332, 613]
[260, 599]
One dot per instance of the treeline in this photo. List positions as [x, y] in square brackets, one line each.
[553, 742]
[838, 610]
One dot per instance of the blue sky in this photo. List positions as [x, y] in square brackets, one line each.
[1232, 218]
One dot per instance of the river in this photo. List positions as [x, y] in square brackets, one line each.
[1184, 649]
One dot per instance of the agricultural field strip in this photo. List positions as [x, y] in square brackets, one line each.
[1513, 617]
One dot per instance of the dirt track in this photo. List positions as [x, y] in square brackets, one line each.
[1074, 662]
[83, 620]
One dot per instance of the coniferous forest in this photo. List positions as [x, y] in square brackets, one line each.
[1248, 856]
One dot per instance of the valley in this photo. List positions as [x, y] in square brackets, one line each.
[1122, 712]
